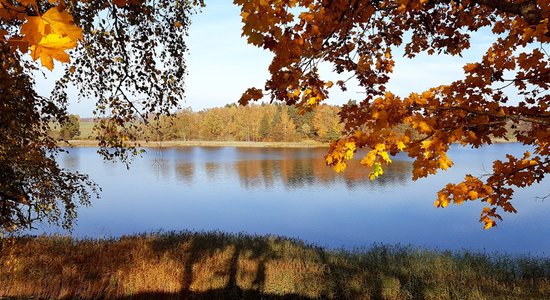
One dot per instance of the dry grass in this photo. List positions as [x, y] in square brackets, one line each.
[222, 266]
[86, 130]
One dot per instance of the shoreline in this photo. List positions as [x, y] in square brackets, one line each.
[240, 144]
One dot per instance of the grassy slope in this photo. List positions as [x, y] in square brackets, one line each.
[86, 130]
[222, 266]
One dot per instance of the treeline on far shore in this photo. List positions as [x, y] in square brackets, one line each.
[253, 123]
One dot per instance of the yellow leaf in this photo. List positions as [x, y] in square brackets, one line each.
[488, 223]
[400, 146]
[426, 144]
[424, 127]
[473, 195]
[47, 36]
[442, 200]
[385, 156]
[369, 159]
[350, 150]
[34, 30]
[427, 154]
[62, 23]
[380, 147]
[245, 15]
[340, 167]
[55, 41]
[376, 171]
[444, 162]
[50, 47]
[350, 145]
[46, 60]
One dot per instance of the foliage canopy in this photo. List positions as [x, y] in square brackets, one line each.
[126, 54]
[509, 84]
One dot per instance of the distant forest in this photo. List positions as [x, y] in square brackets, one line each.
[251, 123]
[254, 123]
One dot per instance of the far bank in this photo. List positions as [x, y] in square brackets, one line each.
[243, 144]
[166, 144]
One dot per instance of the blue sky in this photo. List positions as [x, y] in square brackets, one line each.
[222, 65]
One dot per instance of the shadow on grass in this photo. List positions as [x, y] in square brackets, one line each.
[202, 247]
[239, 267]
[217, 265]
[214, 294]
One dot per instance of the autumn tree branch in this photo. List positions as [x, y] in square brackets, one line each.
[528, 9]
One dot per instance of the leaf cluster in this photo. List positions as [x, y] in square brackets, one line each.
[124, 54]
[33, 186]
[509, 84]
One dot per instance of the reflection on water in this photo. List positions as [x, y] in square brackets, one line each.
[71, 162]
[184, 171]
[263, 168]
[291, 192]
[296, 173]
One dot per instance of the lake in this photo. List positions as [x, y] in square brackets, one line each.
[290, 192]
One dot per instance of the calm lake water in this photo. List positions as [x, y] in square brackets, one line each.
[290, 192]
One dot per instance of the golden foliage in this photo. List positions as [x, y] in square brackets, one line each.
[360, 37]
[46, 35]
